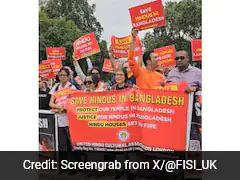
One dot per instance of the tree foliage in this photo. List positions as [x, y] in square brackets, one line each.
[62, 22]
[79, 11]
[57, 33]
[184, 23]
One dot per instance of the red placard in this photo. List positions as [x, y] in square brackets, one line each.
[129, 120]
[56, 65]
[173, 86]
[78, 80]
[45, 71]
[56, 53]
[166, 56]
[197, 50]
[85, 46]
[149, 15]
[107, 66]
[121, 46]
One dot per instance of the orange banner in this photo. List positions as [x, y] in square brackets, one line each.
[147, 120]
[149, 15]
[107, 66]
[121, 46]
[56, 65]
[45, 71]
[85, 46]
[197, 50]
[166, 56]
[56, 53]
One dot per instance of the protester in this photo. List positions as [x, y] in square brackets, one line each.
[121, 78]
[91, 83]
[130, 78]
[186, 72]
[146, 78]
[43, 94]
[61, 116]
[93, 71]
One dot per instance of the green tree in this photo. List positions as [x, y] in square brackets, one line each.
[78, 11]
[56, 33]
[184, 23]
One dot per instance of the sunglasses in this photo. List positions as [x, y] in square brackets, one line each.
[125, 67]
[62, 75]
[88, 82]
[180, 57]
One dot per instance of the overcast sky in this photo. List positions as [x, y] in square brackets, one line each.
[115, 18]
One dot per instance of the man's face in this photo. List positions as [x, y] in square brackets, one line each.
[181, 59]
[126, 66]
[154, 60]
[95, 72]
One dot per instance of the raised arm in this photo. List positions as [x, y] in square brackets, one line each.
[78, 69]
[112, 59]
[135, 68]
[89, 64]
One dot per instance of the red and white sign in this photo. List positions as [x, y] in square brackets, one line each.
[56, 53]
[121, 46]
[56, 65]
[107, 66]
[149, 15]
[197, 50]
[166, 56]
[45, 71]
[85, 46]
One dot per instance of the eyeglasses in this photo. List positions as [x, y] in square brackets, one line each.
[88, 82]
[62, 75]
[121, 75]
[125, 67]
[95, 73]
[180, 57]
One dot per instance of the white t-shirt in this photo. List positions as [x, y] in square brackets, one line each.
[62, 119]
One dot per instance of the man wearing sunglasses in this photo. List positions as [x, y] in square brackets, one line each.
[186, 72]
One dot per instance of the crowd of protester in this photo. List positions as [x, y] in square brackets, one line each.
[143, 74]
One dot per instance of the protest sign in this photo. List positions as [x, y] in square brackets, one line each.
[78, 80]
[166, 56]
[196, 50]
[85, 46]
[128, 120]
[121, 46]
[149, 15]
[173, 86]
[48, 133]
[45, 71]
[56, 65]
[107, 66]
[56, 53]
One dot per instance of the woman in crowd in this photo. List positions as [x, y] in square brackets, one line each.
[121, 77]
[93, 71]
[62, 119]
